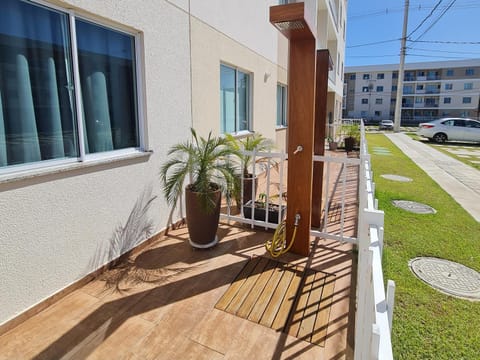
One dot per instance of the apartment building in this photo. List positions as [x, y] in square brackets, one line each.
[431, 90]
[93, 94]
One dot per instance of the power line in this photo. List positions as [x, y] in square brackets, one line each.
[445, 51]
[438, 18]
[425, 18]
[447, 42]
[372, 43]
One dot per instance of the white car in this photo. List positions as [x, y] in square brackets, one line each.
[450, 129]
[385, 125]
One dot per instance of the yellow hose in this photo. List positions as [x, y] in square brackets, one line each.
[278, 245]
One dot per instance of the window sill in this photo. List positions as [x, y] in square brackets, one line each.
[71, 166]
[282, 127]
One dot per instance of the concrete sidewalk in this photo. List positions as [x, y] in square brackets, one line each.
[461, 181]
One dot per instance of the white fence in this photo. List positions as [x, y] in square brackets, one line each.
[374, 308]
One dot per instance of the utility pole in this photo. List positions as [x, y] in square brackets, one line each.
[398, 103]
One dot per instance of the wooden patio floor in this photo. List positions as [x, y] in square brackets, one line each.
[160, 304]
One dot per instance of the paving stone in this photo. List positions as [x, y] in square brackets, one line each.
[396, 177]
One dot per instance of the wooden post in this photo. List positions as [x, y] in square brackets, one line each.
[291, 21]
[321, 89]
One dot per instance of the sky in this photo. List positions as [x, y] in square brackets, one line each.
[438, 30]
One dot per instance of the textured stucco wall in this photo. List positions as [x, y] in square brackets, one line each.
[53, 227]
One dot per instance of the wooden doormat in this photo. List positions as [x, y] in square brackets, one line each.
[283, 297]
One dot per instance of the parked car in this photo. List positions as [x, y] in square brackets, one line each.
[385, 125]
[450, 129]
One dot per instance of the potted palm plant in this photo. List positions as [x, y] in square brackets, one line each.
[256, 142]
[206, 163]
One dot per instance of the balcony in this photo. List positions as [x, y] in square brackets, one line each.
[165, 300]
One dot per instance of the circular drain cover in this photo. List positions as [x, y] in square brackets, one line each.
[396, 177]
[448, 277]
[414, 207]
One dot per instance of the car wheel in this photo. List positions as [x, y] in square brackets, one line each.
[440, 137]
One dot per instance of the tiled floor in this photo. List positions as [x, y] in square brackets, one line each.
[160, 304]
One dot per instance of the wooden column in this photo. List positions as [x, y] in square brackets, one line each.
[321, 88]
[291, 21]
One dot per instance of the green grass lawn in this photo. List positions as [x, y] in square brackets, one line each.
[426, 323]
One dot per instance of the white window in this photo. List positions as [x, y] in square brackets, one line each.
[467, 100]
[68, 87]
[234, 100]
[468, 86]
[447, 100]
[364, 101]
[281, 105]
[379, 88]
[379, 101]
[448, 86]
[366, 76]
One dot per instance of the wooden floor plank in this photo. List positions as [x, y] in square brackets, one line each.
[271, 310]
[314, 298]
[298, 311]
[267, 295]
[319, 333]
[288, 301]
[256, 290]
[247, 285]
[237, 284]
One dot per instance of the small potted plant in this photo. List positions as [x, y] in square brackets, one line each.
[259, 207]
[332, 144]
[206, 162]
[255, 142]
[352, 136]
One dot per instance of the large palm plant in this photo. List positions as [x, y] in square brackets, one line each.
[206, 163]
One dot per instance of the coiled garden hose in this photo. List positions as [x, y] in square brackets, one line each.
[278, 244]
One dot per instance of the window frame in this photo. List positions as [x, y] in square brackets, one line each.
[468, 86]
[465, 98]
[284, 119]
[20, 171]
[249, 111]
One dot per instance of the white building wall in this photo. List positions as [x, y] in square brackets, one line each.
[54, 227]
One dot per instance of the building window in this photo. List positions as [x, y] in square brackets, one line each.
[468, 86]
[364, 101]
[44, 118]
[380, 76]
[450, 72]
[447, 100]
[470, 72]
[234, 100]
[365, 89]
[467, 100]
[366, 76]
[378, 113]
[282, 2]
[379, 101]
[395, 75]
[394, 87]
[379, 88]
[352, 77]
[448, 86]
[281, 105]
[418, 100]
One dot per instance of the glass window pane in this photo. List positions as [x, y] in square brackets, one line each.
[243, 101]
[36, 93]
[227, 99]
[279, 106]
[107, 76]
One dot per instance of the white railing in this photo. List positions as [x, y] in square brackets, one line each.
[373, 323]
[272, 183]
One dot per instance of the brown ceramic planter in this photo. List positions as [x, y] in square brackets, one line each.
[202, 225]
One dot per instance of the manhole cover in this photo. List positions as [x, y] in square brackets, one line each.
[414, 207]
[396, 177]
[448, 277]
